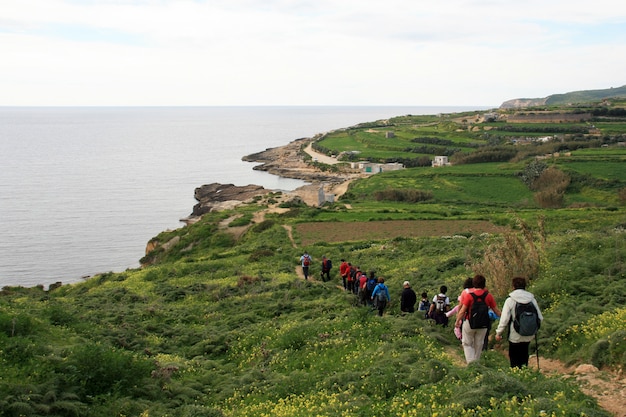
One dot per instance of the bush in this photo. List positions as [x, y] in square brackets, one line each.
[97, 369]
[532, 171]
[408, 196]
[263, 226]
[600, 353]
[241, 221]
[16, 325]
[617, 348]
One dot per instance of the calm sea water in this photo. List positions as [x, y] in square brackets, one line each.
[82, 190]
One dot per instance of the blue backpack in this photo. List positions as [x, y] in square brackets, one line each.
[371, 284]
[381, 295]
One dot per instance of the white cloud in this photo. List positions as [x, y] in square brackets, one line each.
[240, 52]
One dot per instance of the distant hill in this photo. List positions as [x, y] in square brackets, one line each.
[567, 98]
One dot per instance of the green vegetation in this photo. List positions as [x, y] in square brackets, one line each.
[221, 325]
[586, 96]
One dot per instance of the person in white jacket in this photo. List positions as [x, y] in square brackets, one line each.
[518, 344]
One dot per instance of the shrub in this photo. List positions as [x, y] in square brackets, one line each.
[260, 254]
[617, 348]
[198, 411]
[16, 325]
[408, 196]
[532, 171]
[550, 187]
[600, 353]
[98, 369]
[241, 221]
[515, 254]
[263, 226]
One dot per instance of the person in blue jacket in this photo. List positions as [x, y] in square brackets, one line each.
[381, 295]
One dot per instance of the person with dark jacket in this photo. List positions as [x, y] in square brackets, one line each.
[326, 267]
[408, 298]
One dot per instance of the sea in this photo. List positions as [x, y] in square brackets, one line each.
[83, 189]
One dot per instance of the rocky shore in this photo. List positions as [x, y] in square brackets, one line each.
[287, 161]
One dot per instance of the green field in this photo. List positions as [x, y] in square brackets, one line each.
[222, 324]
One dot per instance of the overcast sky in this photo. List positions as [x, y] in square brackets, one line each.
[306, 52]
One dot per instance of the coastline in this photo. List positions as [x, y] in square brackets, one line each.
[287, 161]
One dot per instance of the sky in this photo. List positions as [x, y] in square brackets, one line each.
[306, 52]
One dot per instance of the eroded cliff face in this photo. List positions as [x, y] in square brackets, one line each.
[213, 196]
[520, 103]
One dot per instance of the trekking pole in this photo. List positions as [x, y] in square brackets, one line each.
[537, 350]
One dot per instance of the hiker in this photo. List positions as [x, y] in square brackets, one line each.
[519, 299]
[361, 278]
[466, 285]
[326, 267]
[344, 271]
[473, 318]
[369, 287]
[305, 260]
[355, 279]
[408, 298]
[440, 306]
[381, 295]
[424, 304]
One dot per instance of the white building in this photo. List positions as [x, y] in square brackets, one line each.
[440, 161]
[374, 168]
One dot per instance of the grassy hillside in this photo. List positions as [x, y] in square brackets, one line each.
[224, 326]
[586, 96]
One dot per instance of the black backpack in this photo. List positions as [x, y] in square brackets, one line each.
[479, 312]
[526, 321]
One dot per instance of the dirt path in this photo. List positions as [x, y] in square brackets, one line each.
[340, 189]
[320, 157]
[289, 230]
[609, 389]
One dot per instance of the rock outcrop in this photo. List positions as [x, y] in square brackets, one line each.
[287, 162]
[219, 196]
[521, 103]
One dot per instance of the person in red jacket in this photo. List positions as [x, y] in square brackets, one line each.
[344, 271]
[473, 338]
[361, 278]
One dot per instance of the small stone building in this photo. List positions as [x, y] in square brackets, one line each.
[323, 197]
[440, 161]
[374, 168]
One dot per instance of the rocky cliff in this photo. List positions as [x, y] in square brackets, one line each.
[520, 103]
[217, 196]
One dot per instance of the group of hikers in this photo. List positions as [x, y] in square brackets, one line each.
[474, 314]
[370, 289]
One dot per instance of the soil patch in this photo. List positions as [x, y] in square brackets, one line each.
[311, 233]
[608, 388]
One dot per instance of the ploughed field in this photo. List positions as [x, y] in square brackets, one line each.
[312, 233]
